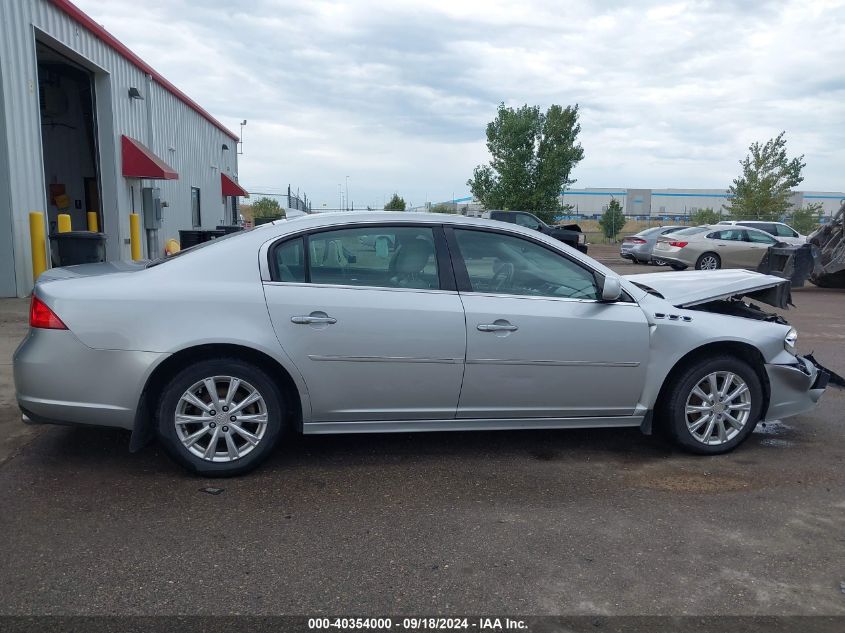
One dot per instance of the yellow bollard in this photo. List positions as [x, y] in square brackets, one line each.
[64, 223]
[39, 245]
[92, 222]
[135, 235]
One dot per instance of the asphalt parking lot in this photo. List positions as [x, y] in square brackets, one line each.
[534, 522]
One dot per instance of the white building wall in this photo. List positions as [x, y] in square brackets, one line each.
[197, 156]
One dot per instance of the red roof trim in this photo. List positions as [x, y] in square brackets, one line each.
[230, 187]
[140, 162]
[99, 32]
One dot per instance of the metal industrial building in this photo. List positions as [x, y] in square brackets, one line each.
[87, 126]
[677, 202]
[659, 203]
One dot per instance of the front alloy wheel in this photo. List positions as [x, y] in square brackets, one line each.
[712, 404]
[717, 408]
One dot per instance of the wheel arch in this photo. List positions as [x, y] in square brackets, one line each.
[144, 427]
[743, 351]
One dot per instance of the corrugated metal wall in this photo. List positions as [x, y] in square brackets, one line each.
[196, 144]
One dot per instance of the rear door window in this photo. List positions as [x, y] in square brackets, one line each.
[759, 237]
[288, 261]
[784, 231]
[732, 235]
[388, 257]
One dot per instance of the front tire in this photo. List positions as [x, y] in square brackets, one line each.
[708, 261]
[713, 405]
[220, 417]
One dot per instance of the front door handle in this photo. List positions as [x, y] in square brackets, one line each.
[497, 327]
[312, 319]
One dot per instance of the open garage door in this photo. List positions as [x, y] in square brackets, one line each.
[69, 139]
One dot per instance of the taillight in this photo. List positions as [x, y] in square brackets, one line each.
[678, 244]
[41, 316]
[634, 240]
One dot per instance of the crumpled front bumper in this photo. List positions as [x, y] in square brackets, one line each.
[797, 387]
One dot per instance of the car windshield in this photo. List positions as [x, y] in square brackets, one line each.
[651, 231]
[693, 230]
[196, 247]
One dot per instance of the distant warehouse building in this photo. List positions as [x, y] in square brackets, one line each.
[87, 126]
[676, 202]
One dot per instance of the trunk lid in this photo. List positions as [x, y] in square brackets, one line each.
[691, 288]
[90, 270]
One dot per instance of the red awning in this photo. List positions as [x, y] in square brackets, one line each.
[231, 188]
[140, 162]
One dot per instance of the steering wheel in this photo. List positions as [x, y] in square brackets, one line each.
[503, 277]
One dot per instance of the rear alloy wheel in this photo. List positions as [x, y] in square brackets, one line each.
[714, 405]
[220, 417]
[709, 261]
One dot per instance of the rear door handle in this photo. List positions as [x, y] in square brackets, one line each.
[311, 319]
[497, 327]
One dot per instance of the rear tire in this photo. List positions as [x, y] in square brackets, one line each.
[191, 419]
[707, 425]
[708, 261]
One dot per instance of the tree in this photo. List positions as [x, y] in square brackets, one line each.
[762, 191]
[704, 216]
[267, 208]
[396, 203]
[532, 157]
[807, 219]
[612, 220]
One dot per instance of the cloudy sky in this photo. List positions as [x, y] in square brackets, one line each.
[396, 94]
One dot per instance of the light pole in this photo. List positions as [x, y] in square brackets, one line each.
[339, 197]
[240, 140]
[347, 193]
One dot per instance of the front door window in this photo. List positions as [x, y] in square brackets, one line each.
[506, 264]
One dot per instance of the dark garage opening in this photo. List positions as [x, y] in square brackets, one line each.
[69, 139]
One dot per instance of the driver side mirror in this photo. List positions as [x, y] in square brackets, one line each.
[611, 289]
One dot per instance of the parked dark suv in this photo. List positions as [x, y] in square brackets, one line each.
[570, 234]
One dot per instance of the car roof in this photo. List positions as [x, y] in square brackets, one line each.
[316, 220]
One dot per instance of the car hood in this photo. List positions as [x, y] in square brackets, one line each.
[691, 288]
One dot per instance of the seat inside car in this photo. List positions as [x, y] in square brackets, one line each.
[408, 264]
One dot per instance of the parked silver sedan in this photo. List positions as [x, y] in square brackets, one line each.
[463, 324]
[639, 247]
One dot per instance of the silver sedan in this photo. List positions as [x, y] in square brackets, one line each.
[460, 324]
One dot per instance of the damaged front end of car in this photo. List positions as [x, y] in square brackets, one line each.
[795, 382]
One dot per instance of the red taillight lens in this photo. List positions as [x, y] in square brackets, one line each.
[678, 244]
[43, 317]
[634, 240]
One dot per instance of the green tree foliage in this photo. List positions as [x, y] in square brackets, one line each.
[612, 220]
[762, 191]
[807, 219]
[396, 203]
[267, 208]
[532, 156]
[704, 216]
[443, 207]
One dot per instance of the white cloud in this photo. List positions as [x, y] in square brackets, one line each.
[396, 94]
